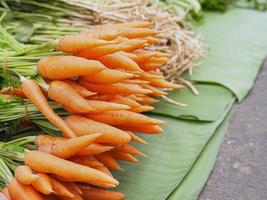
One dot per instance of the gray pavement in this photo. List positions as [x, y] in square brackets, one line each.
[241, 169]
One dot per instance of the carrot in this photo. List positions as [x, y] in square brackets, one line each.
[64, 94]
[164, 84]
[136, 81]
[75, 43]
[150, 66]
[64, 67]
[48, 139]
[75, 188]
[161, 60]
[116, 88]
[136, 32]
[151, 40]
[19, 191]
[103, 50]
[43, 184]
[135, 138]
[104, 170]
[142, 56]
[47, 163]
[108, 76]
[126, 101]
[102, 106]
[101, 97]
[123, 118]
[72, 146]
[84, 126]
[33, 92]
[80, 89]
[147, 76]
[6, 194]
[93, 193]
[149, 129]
[89, 161]
[124, 156]
[94, 149]
[59, 189]
[146, 100]
[142, 109]
[126, 148]
[119, 61]
[133, 44]
[25, 175]
[108, 161]
[69, 186]
[135, 97]
[156, 92]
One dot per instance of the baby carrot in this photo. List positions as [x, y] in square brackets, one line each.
[84, 126]
[119, 61]
[93, 193]
[33, 92]
[69, 186]
[124, 118]
[127, 148]
[75, 187]
[108, 76]
[164, 84]
[72, 146]
[47, 139]
[64, 67]
[124, 100]
[108, 161]
[149, 129]
[150, 66]
[142, 109]
[43, 184]
[101, 97]
[156, 92]
[133, 44]
[146, 100]
[75, 43]
[94, 149]
[89, 161]
[25, 175]
[80, 89]
[116, 88]
[19, 191]
[103, 50]
[124, 156]
[135, 138]
[47, 163]
[59, 189]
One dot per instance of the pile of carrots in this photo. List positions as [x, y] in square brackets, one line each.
[105, 80]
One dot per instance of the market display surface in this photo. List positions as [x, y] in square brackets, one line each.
[108, 101]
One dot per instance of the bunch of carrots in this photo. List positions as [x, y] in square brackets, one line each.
[105, 78]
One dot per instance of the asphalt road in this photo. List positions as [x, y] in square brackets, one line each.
[241, 169]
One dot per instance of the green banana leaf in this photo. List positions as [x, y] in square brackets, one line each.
[192, 184]
[237, 42]
[171, 156]
[208, 106]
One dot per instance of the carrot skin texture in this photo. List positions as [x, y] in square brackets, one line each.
[124, 156]
[135, 138]
[70, 188]
[68, 170]
[59, 189]
[72, 146]
[84, 126]
[43, 184]
[108, 161]
[64, 67]
[19, 191]
[131, 150]
[80, 89]
[33, 92]
[25, 175]
[94, 149]
[93, 193]
[147, 129]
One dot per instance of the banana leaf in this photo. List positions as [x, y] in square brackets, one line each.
[238, 44]
[193, 182]
[208, 106]
[171, 156]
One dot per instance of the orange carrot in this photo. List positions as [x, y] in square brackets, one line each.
[25, 175]
[33, 92]
[135, 97]
[108, 161]
[43, 184]
[93, 193]
[80, 89]
[75, 188]
[102, 106]
[161, 60]
[64, 94]
[146, 100]
[136, 81]
[151, 40]
[5, 192]
[84, 126]
[19, 191]
[142, 109]
[94, 149]
[69, 186]
[133, 44]
[89, 161]
[150, 66]
[104, 170]
[156, 92]
[107, 76]
[64, 67]
[163, 84]
[47, 163]
[124, 156]
[59, 189]
[135, 138]
[116, 88]
[126, 101]
[75, 43]
[142, 56]
[126, 148]
[72, 146]
[103, 50]
[119, 61]
[48, 139]
[123, 118]
[149, 129]
[101, 97]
